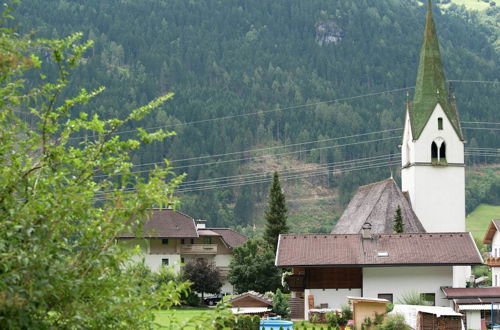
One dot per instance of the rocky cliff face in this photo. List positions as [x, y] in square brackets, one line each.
[328, 32]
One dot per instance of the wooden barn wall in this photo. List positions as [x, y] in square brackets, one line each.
[334, 278]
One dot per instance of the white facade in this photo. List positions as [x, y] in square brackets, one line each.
[157, 252]
[394, 280]
[495, 253]
[399, 281]
[473, 320]
[436, 189]
[436, 186]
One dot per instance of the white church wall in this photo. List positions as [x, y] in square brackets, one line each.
[437, 192]
[437, 195]
[454, 146]
[401, 280]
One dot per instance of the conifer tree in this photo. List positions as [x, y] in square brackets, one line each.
[398, 221]
[276, 218]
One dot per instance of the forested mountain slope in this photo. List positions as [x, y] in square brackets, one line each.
[229, 58]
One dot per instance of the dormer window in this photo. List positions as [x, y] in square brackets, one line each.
[440, 123]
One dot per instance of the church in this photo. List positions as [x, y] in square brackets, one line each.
[363, 256]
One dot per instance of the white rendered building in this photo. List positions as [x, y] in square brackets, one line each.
[171, 238]
[492, 238]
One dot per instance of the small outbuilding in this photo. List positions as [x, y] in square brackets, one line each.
[363, 308]
[251, 302]
[429, 317]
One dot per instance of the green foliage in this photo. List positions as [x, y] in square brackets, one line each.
[345, 314]
[398, 226]
[64, 200]
[332, 319]
[204, 276]
[412, 298]
[246, 322]
[280, 304]
[394, 322]
[275, 215]
[252, 267]
[482, 186]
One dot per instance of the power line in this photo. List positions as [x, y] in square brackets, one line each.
[272, 148]
[218, 162]
[293, 107]
[306, 105]
[480, 122]
[483, 128]
[256, 174]
[284, 178]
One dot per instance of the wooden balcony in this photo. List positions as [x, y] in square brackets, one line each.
[296, 282]
[198, 249]
[224, 271]
[493, 261]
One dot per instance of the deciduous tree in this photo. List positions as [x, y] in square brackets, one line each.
[204, 276]
[64, 198]
[252, 267]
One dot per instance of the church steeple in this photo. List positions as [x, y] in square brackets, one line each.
[431, 86]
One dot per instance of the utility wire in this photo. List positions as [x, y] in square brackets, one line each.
[273, 148]
[218, 162]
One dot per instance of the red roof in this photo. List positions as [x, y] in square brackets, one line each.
[383, 249]
[167, 224]
[464, 293]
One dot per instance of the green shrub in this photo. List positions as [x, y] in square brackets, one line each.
[394, 322]
[280, 304]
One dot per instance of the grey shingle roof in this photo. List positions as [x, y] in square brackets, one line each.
[376, 203]
[295, 250]
[167, 223]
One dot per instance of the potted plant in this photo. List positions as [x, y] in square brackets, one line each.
[344, 316]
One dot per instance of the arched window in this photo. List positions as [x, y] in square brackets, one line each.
[442, 152]
[434, 151]
[438, 152]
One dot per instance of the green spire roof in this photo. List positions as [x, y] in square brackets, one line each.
[431, 86]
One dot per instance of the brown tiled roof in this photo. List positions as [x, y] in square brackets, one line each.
[492, 229]
[383, 249]
[464, 293]
[376, 203]
[167, 224]
[477, 300]
[231, 238]
[254, 295]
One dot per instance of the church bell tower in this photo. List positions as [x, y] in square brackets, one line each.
[433, 171]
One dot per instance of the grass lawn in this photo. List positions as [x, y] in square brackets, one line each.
[478, 220]
[181, 315]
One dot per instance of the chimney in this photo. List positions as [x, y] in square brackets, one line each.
[366, 230]
[200, 224]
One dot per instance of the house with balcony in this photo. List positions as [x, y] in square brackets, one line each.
[328, 268]
[172, 238]
[492, 239]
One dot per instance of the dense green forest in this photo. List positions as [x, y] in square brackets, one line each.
[278, 61]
